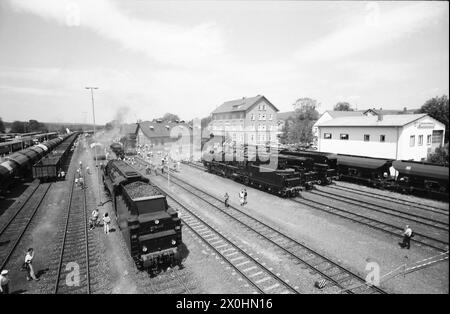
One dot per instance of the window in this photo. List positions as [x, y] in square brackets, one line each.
[420, 140]
[412, 140]
[263, 117]
[344, 136]
[270, 116]
[428, 139]
[253, 117]
[382, 138]
[327, 136]
[366, 137]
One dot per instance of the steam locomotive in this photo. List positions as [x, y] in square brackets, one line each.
[151, 229]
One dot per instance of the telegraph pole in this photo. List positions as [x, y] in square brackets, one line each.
[95, 150]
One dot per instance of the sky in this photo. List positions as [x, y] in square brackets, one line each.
[188, 57]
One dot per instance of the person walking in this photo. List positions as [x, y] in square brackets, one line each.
[227, 197]
[245, 196]
[407, 237]
[106, 222]
[29, 265]
[4, 282]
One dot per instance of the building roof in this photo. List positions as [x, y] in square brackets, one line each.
[128, 128]
[242, 104]
[337, 114]
[153, 129]
[387, 120]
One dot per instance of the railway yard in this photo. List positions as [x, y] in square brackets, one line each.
[326, 240]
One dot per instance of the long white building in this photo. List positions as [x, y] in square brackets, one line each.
[402, 137]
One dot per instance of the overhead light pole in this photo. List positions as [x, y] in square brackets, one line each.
[95, 151]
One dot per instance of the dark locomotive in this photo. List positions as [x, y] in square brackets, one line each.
[261, 169]
[151, 229]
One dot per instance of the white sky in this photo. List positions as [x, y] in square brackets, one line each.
[152, 57]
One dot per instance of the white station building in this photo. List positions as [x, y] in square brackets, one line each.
[398, 136]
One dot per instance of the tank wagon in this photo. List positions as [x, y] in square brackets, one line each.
[151, 229]
[49, 167]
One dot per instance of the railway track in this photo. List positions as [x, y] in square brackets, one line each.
[419, 238]
[255, 273]
[440, 245]
[333, 273]
[391, 199]
[418, 219]
[13, 231]
[74, 253]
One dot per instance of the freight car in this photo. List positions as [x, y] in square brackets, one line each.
[150, 228]
[366, 170]
[20, 163]
[420, 178]
[50, 166]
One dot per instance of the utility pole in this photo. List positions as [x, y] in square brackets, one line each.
[95, 150]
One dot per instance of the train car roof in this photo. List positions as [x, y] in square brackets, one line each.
[421, 170]
[308, 152]
[362, 162]
[18, 158]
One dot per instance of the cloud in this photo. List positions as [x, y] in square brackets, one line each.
[373, 29]
[166, 43]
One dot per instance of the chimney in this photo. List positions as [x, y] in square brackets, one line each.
[380, 117]
[405, 109]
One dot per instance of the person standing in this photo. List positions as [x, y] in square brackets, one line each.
[29, 265]
[407, 237]
[106, 222]
[241, 197]
[227, 197]
[245, 196]
[4, 282]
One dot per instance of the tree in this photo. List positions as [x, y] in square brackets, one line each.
[342, 106]
[298, 129]
[440, 156]
[2, 126]
[438, 109]
[18, 127]
[35, 126]
[170, 117]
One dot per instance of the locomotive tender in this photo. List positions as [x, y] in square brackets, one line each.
[151, 229]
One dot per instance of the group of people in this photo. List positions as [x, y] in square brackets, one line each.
[79, 179]
[94, 221]
[242, 198]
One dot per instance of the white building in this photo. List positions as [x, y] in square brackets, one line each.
[403, 137]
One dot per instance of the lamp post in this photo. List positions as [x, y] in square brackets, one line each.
[95, 151]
